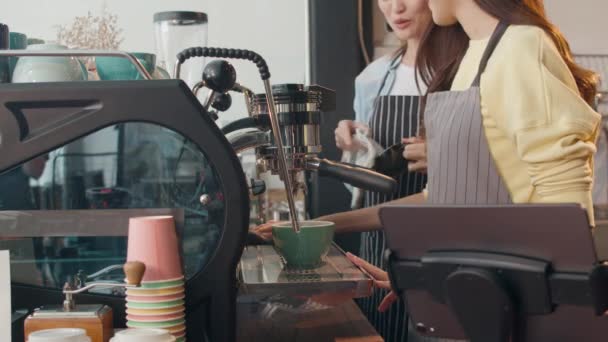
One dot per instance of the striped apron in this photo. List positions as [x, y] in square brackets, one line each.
[461, 168]
[394, 118]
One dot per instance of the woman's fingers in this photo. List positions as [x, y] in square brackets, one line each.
[412, 140]
[377, 273]
[419, 166]
[265, 230]
[415, 151]
[360, 126]
[388, 301]
[344, 134]
[384, 284]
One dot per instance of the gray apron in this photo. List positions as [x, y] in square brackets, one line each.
[461, 169]
[394, 118]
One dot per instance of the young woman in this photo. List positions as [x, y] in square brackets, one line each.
[507, 119]
[387, 106]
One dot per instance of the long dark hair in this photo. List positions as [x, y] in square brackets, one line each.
[439, 72]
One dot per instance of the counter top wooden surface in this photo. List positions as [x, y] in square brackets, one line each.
[344, 323]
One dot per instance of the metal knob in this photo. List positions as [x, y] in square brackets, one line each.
[222, 102]
[219, 76]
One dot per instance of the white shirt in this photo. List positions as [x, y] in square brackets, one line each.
[405, 82]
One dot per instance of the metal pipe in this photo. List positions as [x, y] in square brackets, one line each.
[177, 70]
[248, 94]
[79, 53]
[209, 100]
[283, 170]
[105, 270]
[198, 87]
[249, 140]
[92, 285]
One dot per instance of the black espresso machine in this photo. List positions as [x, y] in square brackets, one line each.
[112, 150]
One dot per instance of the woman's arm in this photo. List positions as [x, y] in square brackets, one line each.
[362, 220]
[367, 219]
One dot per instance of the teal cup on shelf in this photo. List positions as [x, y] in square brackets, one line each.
[17, 41]
[120, 68]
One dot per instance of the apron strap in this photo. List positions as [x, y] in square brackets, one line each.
[494, 40]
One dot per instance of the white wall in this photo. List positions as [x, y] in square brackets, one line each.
[276, 29]
[584, 22]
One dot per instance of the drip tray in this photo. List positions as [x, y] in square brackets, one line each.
[263, 272]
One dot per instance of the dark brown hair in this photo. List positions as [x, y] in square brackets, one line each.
[451, 44]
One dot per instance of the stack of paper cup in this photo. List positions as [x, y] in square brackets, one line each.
[159, 302]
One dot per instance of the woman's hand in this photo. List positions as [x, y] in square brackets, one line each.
[415, 153]
[380, 279]
[264, 231]
[344, 134]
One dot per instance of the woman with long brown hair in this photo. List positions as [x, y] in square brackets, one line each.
[508, 116]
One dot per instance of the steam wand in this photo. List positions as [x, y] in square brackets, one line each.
[274, 122]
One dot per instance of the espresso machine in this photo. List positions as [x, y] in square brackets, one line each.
[180, 164]
[284, 130]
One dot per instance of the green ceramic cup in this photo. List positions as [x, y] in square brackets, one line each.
[307, 248]
[119, 68]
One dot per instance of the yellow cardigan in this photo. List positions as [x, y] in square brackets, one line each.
[540, 131]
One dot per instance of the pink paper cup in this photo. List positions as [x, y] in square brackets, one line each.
[155, 299]
[158, 318]
[153, 241]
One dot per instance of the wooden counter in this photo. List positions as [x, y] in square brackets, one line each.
[344, 323]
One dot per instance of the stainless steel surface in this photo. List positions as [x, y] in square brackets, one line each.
[261, 108]
[209, 100]
[249, 140]
[105, 270]
[302, 139]
[47, 223]
[283, 170]
[313, 163]
[263, 272]
[198, 87]
[79, 53]
[92, 285]
[248, 94]
[177, 70]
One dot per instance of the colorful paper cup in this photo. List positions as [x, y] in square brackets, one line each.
[178, 329]
[162, 325]
[153, 241]
[155, 299]
[162, 284]
[155, 312]
[158, 318]
[155, 292]
[160, 305]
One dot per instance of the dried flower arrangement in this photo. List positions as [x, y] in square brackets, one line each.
[92, 32]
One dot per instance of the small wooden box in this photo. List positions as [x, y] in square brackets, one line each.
[95, 319]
